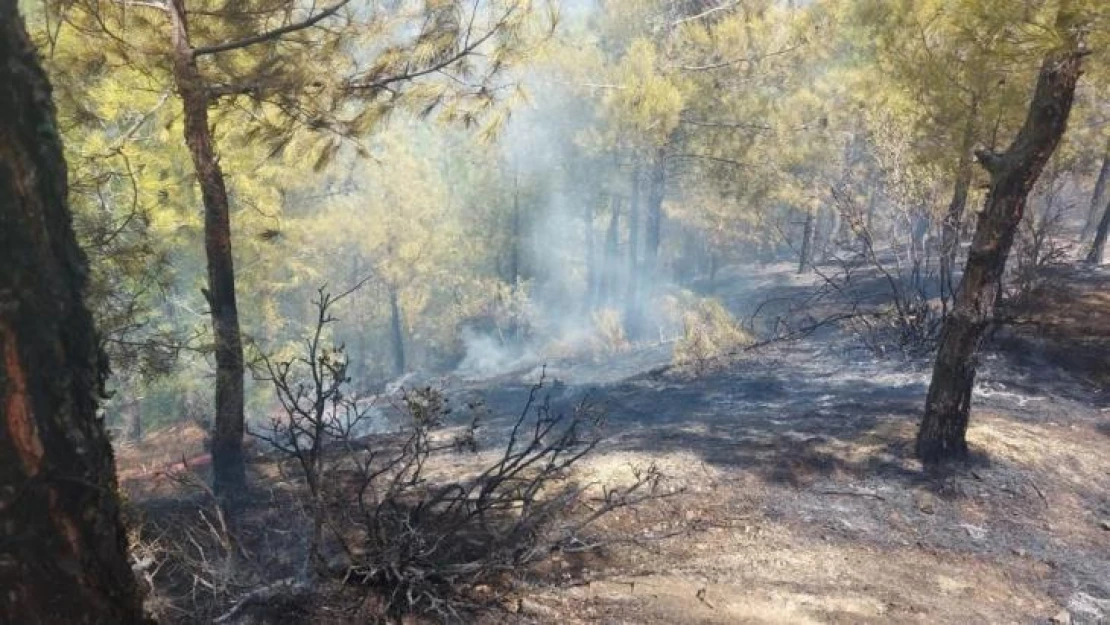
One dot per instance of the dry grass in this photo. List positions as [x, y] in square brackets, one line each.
[709, 334]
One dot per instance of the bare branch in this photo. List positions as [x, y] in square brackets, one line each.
[469, 47]
[740, 61]
[270, 35]
[706, 13]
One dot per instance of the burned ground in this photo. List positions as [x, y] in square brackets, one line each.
[799, 500]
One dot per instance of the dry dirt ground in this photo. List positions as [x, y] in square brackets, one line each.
[799, 501]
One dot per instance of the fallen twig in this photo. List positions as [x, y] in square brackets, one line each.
[853, 493]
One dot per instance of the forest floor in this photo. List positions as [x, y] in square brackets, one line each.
[799, 500]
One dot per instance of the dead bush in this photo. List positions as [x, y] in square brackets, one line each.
[892, 298]
[709, 332]
[386, 517]
[1040, 243]
[609, 328]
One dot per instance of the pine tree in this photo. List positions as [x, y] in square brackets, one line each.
[63, 555]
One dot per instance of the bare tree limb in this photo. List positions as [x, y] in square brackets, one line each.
[270, 35]
[706, 13]
[748, 59]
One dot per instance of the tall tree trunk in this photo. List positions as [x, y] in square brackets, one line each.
[133, 419]
[1096, 196]
[514, 244]
[807, 242]
[359, 357]
[397, 331]
[953, 218]
[944, 428]
[612, 254]
[592, 276]
[228, 469]
[653, 223]
[63, 551]
[632, 302]
[1098, 247]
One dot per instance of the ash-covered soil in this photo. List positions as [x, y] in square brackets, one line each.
[796, 497]
[802, 502]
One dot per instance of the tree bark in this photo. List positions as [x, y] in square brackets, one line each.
[228, 463]
[953, 218]
[514, 244]
[63, 551]
[653, 223]
[592, 274]
[1096, 196]
[632, 303]
[943, 432]
[807, 242]
[612, 255]
[133, 419]
[1098, 246]
[397, 331]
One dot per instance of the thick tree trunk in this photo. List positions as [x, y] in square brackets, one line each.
[1096, 197]
[632, 302]
[1098, 246]
[807, 242]
[228, 470]
[943, 430]
[397, 331]
[63, 550]
[953, 218]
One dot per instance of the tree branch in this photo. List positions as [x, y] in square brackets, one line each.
[708, 157]
[725, 124]
[466, 50]
[705, 13]
[747, 59]
[270, 35]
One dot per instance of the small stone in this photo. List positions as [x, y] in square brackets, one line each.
[1019, 553]
[1063, 617]
[532, 608]
[924, 502]
[1105, 524]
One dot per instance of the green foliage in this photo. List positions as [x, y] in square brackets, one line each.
[387, 148]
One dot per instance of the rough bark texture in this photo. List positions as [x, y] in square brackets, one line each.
[943, 430]
[228, 470]
[63, 555]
